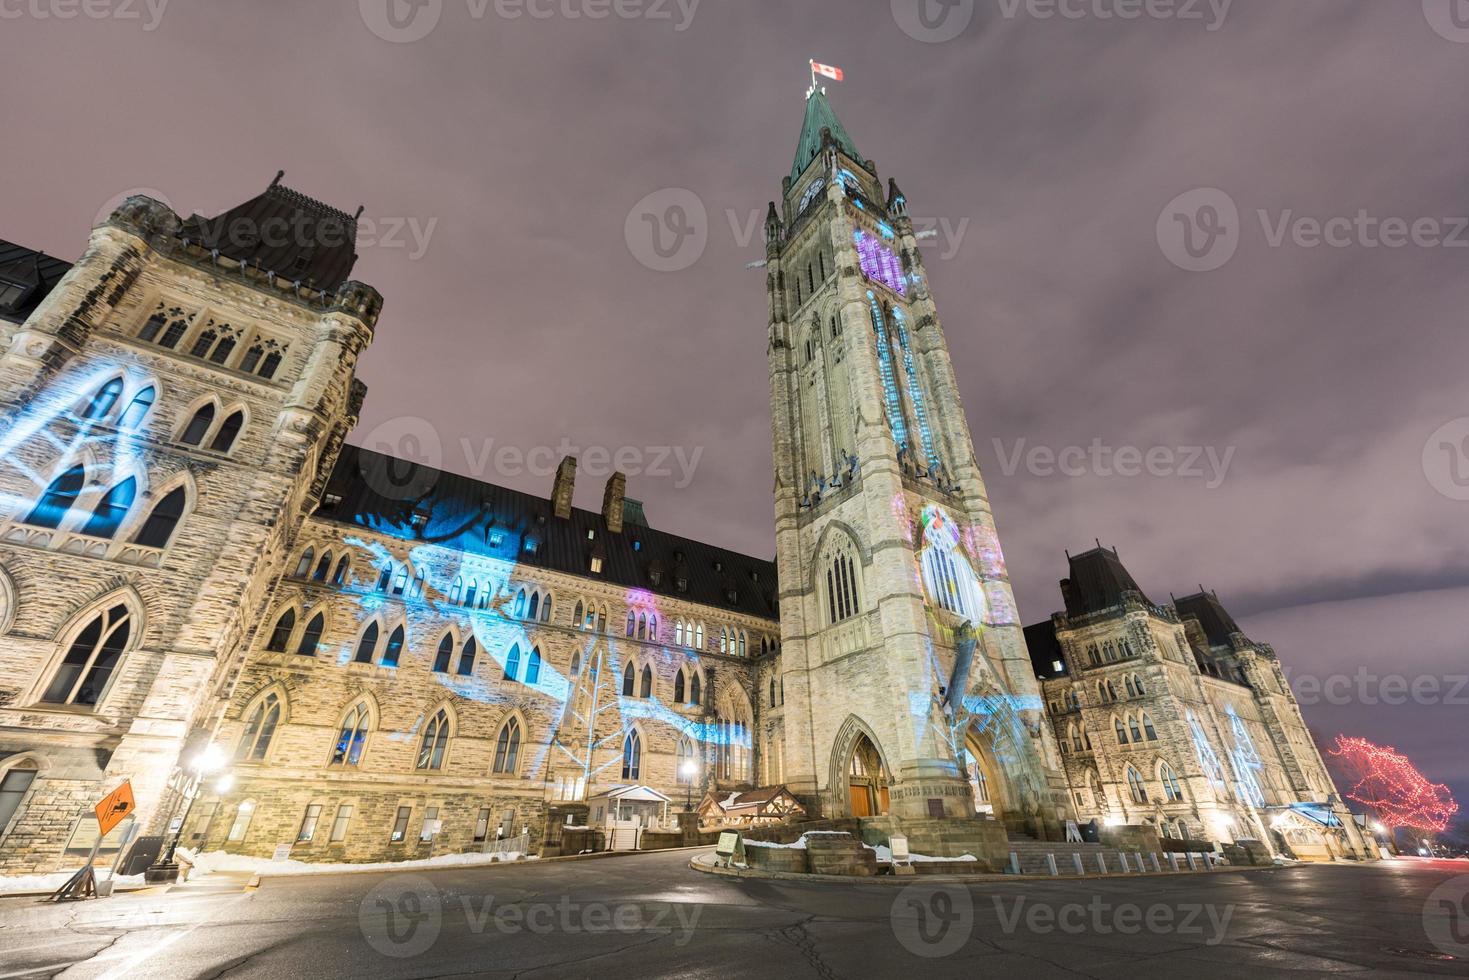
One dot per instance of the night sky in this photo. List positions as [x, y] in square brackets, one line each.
[503, 159]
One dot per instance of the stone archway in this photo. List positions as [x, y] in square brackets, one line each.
[860, 780]
[867, 781]
[987, 780]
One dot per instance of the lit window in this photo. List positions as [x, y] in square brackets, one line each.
[92, 660]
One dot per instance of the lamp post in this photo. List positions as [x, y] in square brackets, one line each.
[209, 760]
[689, 770]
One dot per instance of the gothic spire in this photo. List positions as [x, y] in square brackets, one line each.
[820, 117]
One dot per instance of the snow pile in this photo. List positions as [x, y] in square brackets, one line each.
[24, 884]
[219, 861]
[884, 853]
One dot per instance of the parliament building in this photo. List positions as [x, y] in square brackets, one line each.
[319, 650]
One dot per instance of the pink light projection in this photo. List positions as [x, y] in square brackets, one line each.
[880, 264]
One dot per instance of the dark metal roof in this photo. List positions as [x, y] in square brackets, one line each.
[819, 116]
[37, 272]
[283, 231]
[420, 504]
[1098, 581]
[1045, 650]
[1213, 618]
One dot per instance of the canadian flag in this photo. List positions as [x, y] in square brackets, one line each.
[835, 74]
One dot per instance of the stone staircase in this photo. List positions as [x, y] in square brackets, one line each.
[1095, 858]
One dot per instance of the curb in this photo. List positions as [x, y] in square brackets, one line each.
[894, 880]
[259, 878]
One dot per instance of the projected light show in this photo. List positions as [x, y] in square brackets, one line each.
[585, 487]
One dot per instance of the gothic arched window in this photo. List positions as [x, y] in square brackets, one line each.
[112, 510]
[445, 654]
[280, 637]
[632, 756]
[311, 638]
[138, 408]
[56, 502]
[224, 439]
[352, 737]
[1171, 788]
[198, 426]
[159, 528]
[467, 657]
[645, 689]
[434, 743]
[91, 660]
[695, 690]
[507, 749]
[394, 650]
[259, 729]
[679, 688]
[1136, 788]
[512, 662]
[840, 566]
[629, 681]
[104, 401]
[533, 667]
[367, 645]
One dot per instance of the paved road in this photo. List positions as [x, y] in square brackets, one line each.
[650, 916]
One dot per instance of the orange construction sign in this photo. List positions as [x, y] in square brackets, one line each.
[118, 804]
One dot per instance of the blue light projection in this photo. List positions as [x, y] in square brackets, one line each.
[915, 390]
[1247, 761]
[889, 377]
[39, 421]
[1208, 758]
[593, 717]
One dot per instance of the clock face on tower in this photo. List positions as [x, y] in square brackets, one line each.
[816, 187]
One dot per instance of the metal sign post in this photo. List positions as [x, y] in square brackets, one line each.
[111, 811]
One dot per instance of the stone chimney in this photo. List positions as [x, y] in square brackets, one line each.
[612, 501]
[564, 488]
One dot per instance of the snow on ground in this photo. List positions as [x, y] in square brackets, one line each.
[883, 852]
[219, 861]
[23, 884]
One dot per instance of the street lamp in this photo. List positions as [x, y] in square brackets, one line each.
[689, 770]
[207, 761]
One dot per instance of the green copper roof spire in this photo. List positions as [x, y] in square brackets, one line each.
[819, 116]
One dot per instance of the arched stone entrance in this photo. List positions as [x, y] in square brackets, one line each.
[986, 779]
[867, 781]
[860, 780]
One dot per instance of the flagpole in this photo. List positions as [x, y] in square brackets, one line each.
[812, 90]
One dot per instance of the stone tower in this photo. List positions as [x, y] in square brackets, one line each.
[885, 541]
[168, 411]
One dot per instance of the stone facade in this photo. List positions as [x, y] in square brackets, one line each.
[885, 538]
[1170, 717]
[393, 662]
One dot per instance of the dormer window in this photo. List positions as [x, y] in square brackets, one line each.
[596, 566]
[655, 577]
[591, 534]
[12, 294]
[497, 539]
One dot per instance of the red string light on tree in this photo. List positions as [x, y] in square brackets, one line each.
[1393, 788]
